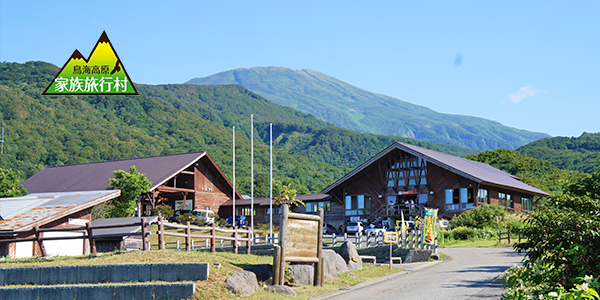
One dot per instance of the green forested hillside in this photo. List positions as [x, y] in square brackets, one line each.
[539, 173]
[570, 153]
[56, 130]
[46, 131]
[350, 107]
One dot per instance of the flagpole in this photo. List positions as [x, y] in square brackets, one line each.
[233, 222]
[252, 172]
[271, 182]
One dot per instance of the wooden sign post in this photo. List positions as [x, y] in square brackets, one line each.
[301, 240]
[391, 237]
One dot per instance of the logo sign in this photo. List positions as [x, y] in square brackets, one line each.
[102, 73]
[390, 237]
[354, 219]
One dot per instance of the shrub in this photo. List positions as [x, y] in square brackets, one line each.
[463, 233]
[165, 211]
[480, 217]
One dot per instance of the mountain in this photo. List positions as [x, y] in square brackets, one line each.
[569, 153]
[43, 131]
[350, 107]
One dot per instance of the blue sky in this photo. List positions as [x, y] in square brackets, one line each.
[533, 65]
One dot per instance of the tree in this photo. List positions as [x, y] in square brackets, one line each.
[10, 184]
[132, 185]
[288, 196]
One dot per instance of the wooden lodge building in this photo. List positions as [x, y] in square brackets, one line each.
[183, 181]
[379, 188]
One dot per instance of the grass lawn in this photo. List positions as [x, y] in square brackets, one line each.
[475, 243]
[214, 287]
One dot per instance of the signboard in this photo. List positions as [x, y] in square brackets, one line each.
[301, 240]
[179, 205]
[406, 192]
[390, 237]
[354, 219]
[429, 226]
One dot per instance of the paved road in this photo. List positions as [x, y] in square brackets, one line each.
[465, 273]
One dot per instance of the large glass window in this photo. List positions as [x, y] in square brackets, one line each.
[245, 211]
[483, 196]
[527, 204]
[358, 205]
[452, 200]
[423, 198]
[459, 199]
[314, 206]
[506, 200]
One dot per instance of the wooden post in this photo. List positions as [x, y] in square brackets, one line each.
[276, 264]
[161, 235]
[39, 241]
[249, 240]
[144, 235]
[282, 236]
[92, 241]
[319, 266]
[188, 238]
[235, 240]
[213, 239]
[509, 237]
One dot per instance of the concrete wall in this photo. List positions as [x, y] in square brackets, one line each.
[104, 273]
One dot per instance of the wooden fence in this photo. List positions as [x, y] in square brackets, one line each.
[213, 237]
[412, 240]
[87, 230]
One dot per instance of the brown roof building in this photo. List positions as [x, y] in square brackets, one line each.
[380, 187]
[184, 181]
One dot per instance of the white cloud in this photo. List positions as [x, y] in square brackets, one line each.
[524, 92]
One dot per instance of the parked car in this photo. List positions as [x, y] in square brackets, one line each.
[208, 216]
[329, 229]
[374, 230]
[239, 220]
[354, 227]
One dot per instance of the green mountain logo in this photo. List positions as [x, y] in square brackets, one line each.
[102, 74]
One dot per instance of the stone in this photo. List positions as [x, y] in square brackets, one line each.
[281, 289]
[416, 255]
[242, 282]
[350, 256]
[336, 259]
[301, 274]
[263, 271]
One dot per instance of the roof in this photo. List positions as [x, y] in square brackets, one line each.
[266, 202]
[95, 176]
[42, 208]
[476, 171]
[119, 221]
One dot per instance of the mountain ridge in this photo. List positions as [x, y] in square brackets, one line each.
[351, 107]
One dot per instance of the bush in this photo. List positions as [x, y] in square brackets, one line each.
[165, 211]
[463, 233]
[481, 217]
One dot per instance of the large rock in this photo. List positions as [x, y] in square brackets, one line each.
[301, 274]
[281, 289]
[416, 255]
[263, 272]
[242, 282]
[350, 256]
[330, 257]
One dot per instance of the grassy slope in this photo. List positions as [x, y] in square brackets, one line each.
[350, 107]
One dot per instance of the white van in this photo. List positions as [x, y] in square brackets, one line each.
[208, 216]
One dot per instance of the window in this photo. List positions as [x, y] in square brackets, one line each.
[423, 198]
[276, 209]
[459, 199]
[505, 200]
[452, 200]
[483, 197]
[358, 205]
[527, 204]
[245, 211]
[314, 206]
[406, 170]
